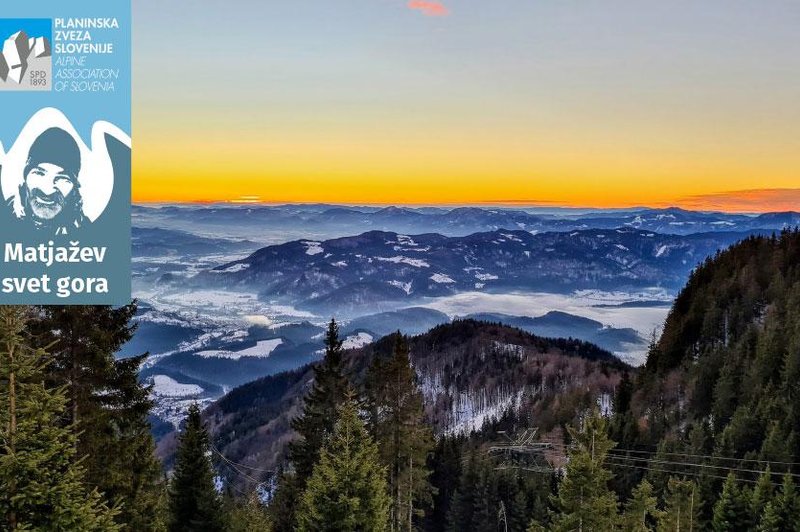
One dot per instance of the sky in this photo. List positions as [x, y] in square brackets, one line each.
[600, 103]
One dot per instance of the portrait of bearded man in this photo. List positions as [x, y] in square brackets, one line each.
[49, 197]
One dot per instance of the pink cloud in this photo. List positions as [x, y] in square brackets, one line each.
[431, 9]
[757, 200]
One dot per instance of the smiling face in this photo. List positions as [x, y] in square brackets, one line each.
[49, 189]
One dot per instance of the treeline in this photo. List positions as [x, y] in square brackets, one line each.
[76, 452]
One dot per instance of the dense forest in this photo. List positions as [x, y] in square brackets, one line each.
[471, 426]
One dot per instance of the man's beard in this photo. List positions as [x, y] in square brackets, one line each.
[44, 208]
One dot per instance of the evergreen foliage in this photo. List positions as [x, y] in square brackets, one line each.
[194, 504]
[320, 410]
[248, 515]
[405, 441]
[680, 506]
[321, 407]
[107, 403]
[42, 483]
[641, 510]
[584, 499]
[730, 511]
[347, 488]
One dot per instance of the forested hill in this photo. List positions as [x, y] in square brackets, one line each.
[724, 375]
[469, 372]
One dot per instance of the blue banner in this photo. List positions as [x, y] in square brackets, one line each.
[65, 152]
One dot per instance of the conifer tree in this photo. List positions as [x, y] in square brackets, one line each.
[108, 404]
[730, 511]
[762, 494]
[770, 520]
[787, 505]
[194, 504]
[623, 430]
[41, 481]
[680, 506]
[584, 499]
[404, 439]
[320, 410]
[248, 516]
[466, 499]
[447, 469]
[641, 510]
[347, 487]
[321, 407]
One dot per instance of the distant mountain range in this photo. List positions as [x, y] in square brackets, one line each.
[160, 242]
[272, 224]
[377, 268]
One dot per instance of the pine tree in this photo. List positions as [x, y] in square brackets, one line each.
[248, 516]
[41, 481]
[730, 511]
[320, 410]
[347, 488]
[466, 499]
[681, 506]
[641, 511]
[321, 407]
[762, 494]
[623, 430]
[770, 520]
[787, 505]
[194, 503]
[447, 470]
[108, 404]
[584, 499]
[404, 439]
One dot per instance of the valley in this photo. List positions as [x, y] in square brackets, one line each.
[229, 294]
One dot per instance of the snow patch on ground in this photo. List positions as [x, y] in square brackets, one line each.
[399, 259]
[164, 386]
[262, 349]
[405, 287]
[511, 237]
[354, 341]
[406, 240]
[312, 248]
[233, 269]
[470, 412]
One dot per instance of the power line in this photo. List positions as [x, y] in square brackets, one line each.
[232, 465]
[240, 464]
[686, 473]
[616, 456]
[618, 450]
[684, 464]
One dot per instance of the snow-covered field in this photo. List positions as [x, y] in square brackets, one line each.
[165, 386]
[262, 349]
[355, 341]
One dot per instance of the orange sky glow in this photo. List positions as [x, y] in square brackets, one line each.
[423, 102]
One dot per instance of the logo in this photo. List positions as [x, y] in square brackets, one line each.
[26, 61]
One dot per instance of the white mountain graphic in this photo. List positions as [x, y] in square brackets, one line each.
[17, 50]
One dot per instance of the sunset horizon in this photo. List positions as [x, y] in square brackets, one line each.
[734, 202]
[616, 104]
